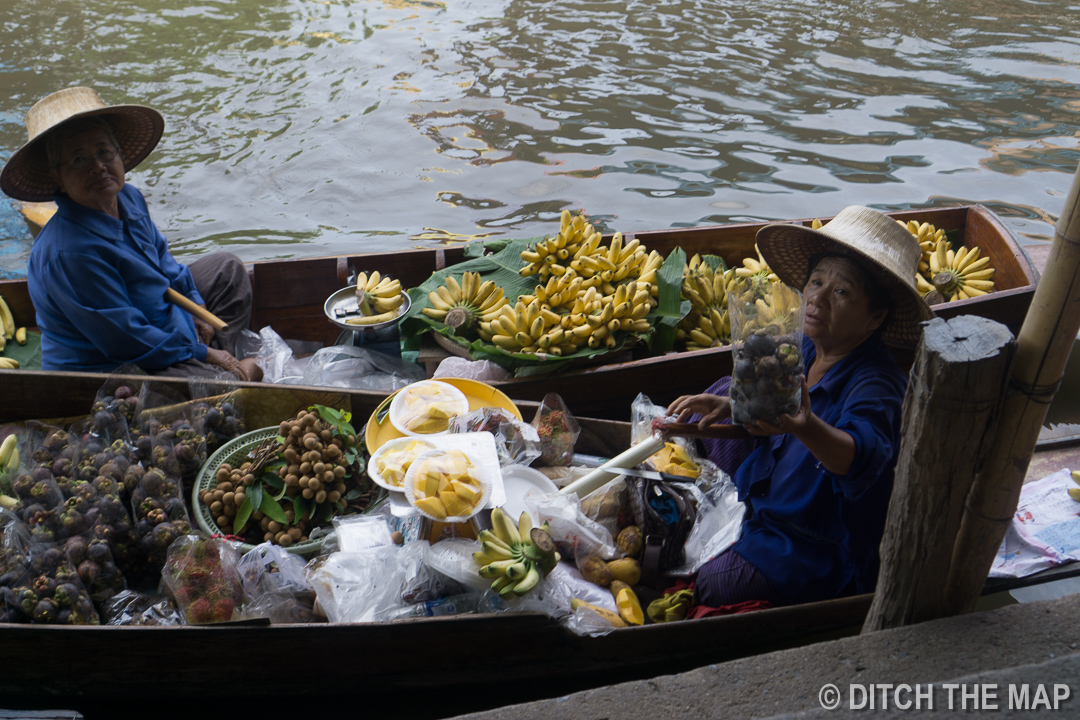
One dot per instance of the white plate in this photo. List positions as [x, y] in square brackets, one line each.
[400, 404]
[519, 481]
[396, 444]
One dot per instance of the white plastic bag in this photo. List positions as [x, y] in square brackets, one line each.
[369, 586]
[482, 370]
[719, 522]
[353, 367]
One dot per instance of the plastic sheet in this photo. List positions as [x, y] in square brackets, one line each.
[482, 370]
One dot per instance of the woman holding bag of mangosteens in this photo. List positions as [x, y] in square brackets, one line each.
[816, 483]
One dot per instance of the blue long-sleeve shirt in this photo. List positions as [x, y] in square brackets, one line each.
[98, 285]
[814, 534]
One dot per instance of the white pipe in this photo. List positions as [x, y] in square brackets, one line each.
[598, 476]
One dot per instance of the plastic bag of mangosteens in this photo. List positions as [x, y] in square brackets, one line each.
[766, 332]
[39, 584]
[221, 414]
[160, 515]
[202, 576]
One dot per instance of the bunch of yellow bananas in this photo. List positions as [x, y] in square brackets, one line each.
[958, 275]
[8, 330]
[674, 459]
[763, 303]
[460, 304]
[9, 455]
[707, 324]
[379, 299]
[579, 319]
[513, 556]
[577, 247]
[1074, 492]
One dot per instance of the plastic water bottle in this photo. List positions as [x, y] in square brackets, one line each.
[452, 605]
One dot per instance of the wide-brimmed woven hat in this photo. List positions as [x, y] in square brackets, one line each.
[137, 130]
[877, 242]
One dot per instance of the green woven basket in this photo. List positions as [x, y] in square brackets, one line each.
[235, 452]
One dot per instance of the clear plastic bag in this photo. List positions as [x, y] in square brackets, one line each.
[558, 431]
[133, 608]
[767, 330]
[370, 586]
[352, 367]
[516, 442]
[609, 506]
[482, 370]
[573, 531]
[202, 576]
[275, 585]
[718, 525]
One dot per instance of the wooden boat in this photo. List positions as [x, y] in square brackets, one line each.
[427, 668]
[290, 295]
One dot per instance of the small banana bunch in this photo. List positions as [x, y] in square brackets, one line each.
[461, 304]
[763, 303]
[9, 455]
[8, 330]
[707, 324]
[959, 274]
[379, 299]
[513, 556]
[674, 459]
[1074, 492]
[752, 267]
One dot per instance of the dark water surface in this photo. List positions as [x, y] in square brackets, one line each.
[316, 127]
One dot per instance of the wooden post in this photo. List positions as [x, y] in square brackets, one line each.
[1043, 347]
[950, 414]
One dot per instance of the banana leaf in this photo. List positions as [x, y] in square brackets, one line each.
[503, 267]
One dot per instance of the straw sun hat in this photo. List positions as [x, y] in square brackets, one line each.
[877, 242]
[137, 130]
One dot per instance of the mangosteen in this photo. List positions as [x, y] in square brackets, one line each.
[89, 572]
[64, 617]
[65, 594]
[768, 366]
[758, 345]
[123, 391]
[744, 369]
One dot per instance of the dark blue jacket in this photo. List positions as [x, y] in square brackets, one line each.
[813, 534]
[98, 285]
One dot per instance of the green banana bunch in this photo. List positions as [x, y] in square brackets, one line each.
[673, 606]
[513, 556]
[707, 324]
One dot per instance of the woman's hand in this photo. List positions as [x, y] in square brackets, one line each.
[793, 424]
[204, 331]
[712, 408]
[226, 361]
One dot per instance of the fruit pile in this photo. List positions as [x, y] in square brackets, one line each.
[9, 331]
[201, 573]
[956, 274]
[394, 462]
[444, 484]
[298, 481]
[513, 556]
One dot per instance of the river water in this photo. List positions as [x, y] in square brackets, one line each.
[315, 127]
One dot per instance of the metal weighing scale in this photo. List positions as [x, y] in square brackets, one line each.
[383, 337]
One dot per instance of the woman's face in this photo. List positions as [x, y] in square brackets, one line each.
[838, 315]
[84, 176]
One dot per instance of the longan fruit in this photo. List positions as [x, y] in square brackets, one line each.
[222, 474]
[295, 533]
[268, 537]
[225, 487]
[264, 524]
[326, 435]
[218, 494]
[339, 471]
[320, 497]
[216, 507]
[284, 427]
[248, 479]
[304, 482]
[229, 498]
[308, 493]
[333, 496]
[222, 520]
[239, 499]
[284, 539]
[291, 479]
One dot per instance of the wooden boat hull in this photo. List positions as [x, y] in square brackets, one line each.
[290, 294]
[430, 668]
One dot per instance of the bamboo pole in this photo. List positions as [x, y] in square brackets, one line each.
[1043, 346]
[197, 310]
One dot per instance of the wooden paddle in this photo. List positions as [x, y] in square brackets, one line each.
[196, 310]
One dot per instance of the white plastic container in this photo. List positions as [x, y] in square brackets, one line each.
[426, 402]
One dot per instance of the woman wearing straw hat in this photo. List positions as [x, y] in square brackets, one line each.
[816, 484]
[99, 269]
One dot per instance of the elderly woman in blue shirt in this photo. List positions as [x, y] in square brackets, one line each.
[816, 484]
[99, 269]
